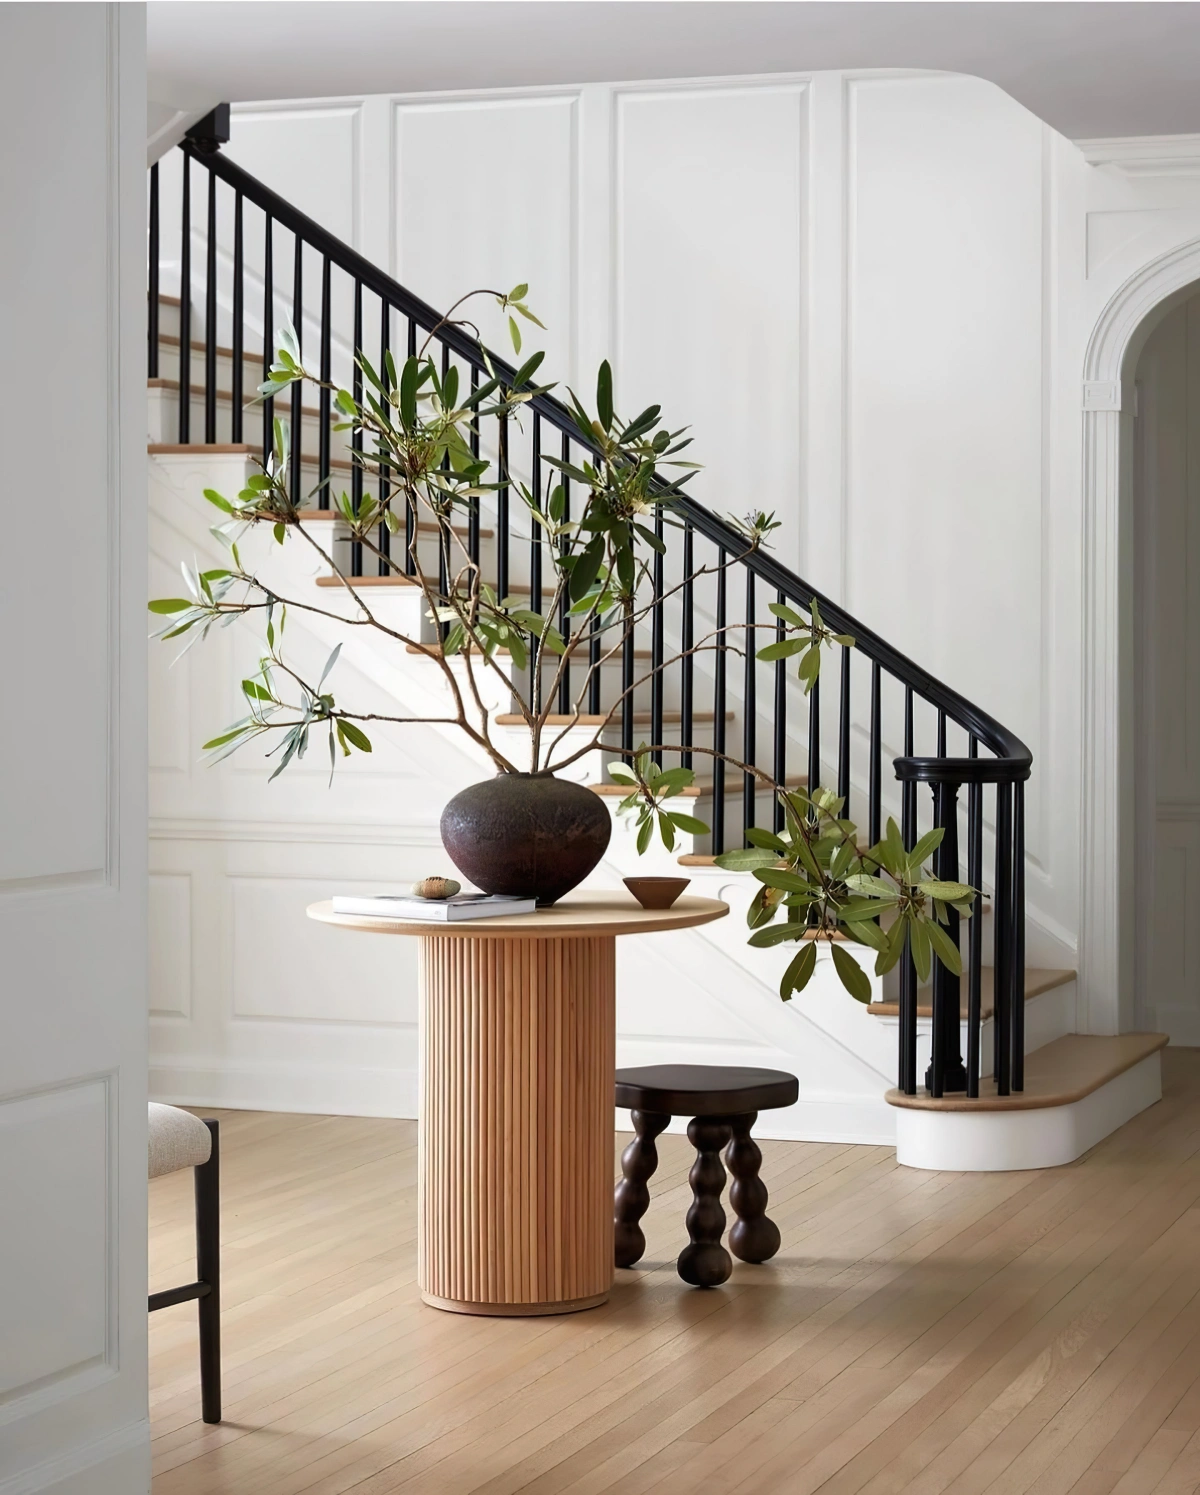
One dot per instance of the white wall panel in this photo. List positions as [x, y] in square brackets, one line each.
[485, 195]
[945, 384]
[309, 154]
[56, 1242]
[170, 915]
[286, 966]
[708, 205]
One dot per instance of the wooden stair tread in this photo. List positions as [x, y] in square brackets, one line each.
[176, 448]
[641, 718]
[516, 590]
[1057, 1075]
[619, 791]
[1037, 983]
[426, 527]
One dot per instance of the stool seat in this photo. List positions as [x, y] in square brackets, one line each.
[177, 1140]
[705, 1089]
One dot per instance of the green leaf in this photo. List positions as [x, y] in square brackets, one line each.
[922, 950]
[515, 333]
[926, 846]
[799, 972]
[688, 823]
[778, 877]
[947, 892]
[645, 831]
[170, 605]
[518, 293]
[409, 381]
[776, 934]
[586, 568]
[221, 503]
[354, 735]
[868, 933]
[255, 691]
[527, 370]
[604, 395]
[622, 773]
[788, 614]
[853, 977]
[944, 947]
[781, 649]
[746, 860]
[225, 737]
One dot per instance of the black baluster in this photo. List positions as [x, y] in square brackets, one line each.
[687, 672]
[323, 394]
[779, 769]
[565, 701]
[296, 475]
[656, 643]
[1002, 957]
[1017, 977]
[974, 936]
[844, 735]
[356, 391]
[718, 794]
[627, 677]
[502, 474]
[153, 253]
[875, 787]
[814, 737]
[535, 545]
[908, 970]
[185, 306]
[412, 515]
[941, 734]
[446, 531]
[268, 434]
[946, 1072]
[210, 317]
[749, 712]
[384, 565]
[237, 377]
[473, 512]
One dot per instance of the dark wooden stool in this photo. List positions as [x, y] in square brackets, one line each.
[723, 1103]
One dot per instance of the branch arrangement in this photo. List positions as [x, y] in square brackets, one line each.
[416, 433]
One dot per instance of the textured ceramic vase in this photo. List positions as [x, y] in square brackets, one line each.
[526, 834]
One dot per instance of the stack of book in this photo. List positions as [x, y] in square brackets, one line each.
[404, 906]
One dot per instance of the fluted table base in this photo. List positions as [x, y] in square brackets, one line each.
[516, 1136]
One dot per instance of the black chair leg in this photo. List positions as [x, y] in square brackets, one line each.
[208, 1272]
[754, 1237]
[704, 1262]
[632, 1198]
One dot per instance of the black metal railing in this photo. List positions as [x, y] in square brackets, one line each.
[662, 687]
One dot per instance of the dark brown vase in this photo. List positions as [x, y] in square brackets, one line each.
[526, 833]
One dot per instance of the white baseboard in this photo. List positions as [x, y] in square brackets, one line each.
[1047, 1137]
[307, 1089]
[118, 1464]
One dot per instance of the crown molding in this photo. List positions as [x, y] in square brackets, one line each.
[1145, 155]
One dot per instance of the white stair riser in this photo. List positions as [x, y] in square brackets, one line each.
[1047, 1137]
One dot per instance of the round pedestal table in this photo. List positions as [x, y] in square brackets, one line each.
[515, 1142]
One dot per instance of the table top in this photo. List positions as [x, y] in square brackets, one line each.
[576, 914]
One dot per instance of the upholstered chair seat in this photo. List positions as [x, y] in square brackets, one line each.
[177, 1140]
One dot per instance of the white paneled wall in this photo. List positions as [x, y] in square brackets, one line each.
[868, 294]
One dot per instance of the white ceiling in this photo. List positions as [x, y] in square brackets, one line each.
[1089, 69]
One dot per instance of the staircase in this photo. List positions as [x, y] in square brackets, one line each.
[990, 1073]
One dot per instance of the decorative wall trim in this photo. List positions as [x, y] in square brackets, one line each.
[1105, 950]
[117, 1464]
[1145, 155]
[163, 828]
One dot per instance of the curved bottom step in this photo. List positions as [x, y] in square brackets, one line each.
[1078, 1090]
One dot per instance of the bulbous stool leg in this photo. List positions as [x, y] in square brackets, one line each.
[705, 1262]
[753, 1238]
[632, 1198]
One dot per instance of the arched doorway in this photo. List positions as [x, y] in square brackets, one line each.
[1116, 871]
[1165, 540]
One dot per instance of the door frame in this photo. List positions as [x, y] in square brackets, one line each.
[1114, 899]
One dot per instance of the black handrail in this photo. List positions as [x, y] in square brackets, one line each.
[765, 579]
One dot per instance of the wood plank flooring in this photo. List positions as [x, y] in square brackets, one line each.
[1011, 1333]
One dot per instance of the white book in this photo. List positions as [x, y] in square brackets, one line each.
[435, 910]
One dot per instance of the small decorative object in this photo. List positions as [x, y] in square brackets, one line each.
[656, 892]
[436, 887]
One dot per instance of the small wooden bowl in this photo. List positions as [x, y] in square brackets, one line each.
[656, 892]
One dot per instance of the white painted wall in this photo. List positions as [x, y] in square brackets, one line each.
[870, 294]
[73, 1415]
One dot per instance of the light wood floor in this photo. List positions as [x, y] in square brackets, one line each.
[926, 1332]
